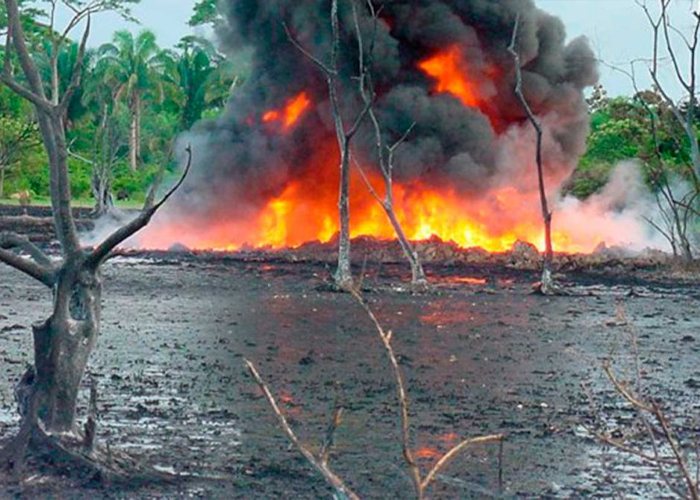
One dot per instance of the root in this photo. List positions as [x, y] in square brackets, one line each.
[14, 453]
[67, 454]
[421, 285]
[548, 286]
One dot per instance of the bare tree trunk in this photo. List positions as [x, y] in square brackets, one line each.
[343, 275]
[137, 143]
[135, 133]
[133, 161]
[2, 181]
[417, 273]
[547, 285]
[386, 166]
[63, 344]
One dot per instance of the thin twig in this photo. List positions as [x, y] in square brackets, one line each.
[336, 482]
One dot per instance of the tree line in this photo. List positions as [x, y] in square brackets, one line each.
[134, 97]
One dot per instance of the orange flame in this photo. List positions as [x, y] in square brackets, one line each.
[446, 68]
[426, 453]
[305, 207]
[270, 116]
[294, 109]
[306, 210]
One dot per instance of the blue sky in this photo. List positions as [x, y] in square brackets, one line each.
[617, 29]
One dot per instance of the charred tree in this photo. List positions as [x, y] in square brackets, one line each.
[386, 167]
[546, 286]
[63, 342]
[385, 154]
[343, 275]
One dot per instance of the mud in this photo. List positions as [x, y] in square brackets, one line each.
[481, 354]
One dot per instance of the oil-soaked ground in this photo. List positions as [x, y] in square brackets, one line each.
[481, 355]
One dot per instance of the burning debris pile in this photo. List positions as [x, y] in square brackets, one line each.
[266, 172]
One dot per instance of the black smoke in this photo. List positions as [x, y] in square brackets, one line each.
[241, 162]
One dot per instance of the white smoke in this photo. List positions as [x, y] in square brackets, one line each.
[104, 226]
[617, 216]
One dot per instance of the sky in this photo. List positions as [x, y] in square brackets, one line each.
[617, 29]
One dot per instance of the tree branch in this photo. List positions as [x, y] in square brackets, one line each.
[9, 241]
[322, 66]
[25, 59]
[447, 457]
[401, 394]
[43, 273]
[336, 483]
[120, 235]
[24, 92]
[77, 72]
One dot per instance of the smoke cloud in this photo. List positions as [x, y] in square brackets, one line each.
[240, 162]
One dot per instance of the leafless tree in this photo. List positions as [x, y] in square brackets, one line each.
[662, 449]
[547, 286]
[679, 48]
[421, 482]
[105, 152]
[345, 135]
[63, 342]
[385, 153]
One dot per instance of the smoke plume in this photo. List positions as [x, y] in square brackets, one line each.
[470, 138]
[240, 162]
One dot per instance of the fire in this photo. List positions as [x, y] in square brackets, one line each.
[291, 113]
[471, 87]
[446, 68]
[305, 210]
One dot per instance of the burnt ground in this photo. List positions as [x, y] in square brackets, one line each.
[478, 357]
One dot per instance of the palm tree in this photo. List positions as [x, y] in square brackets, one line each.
[198, 78]
[134, 65]
[66, 59]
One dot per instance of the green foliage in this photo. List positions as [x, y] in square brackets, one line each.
[205, 12]
[130, 64]
[198, 79]
[641, 128]
[174, 89]
[135, 184]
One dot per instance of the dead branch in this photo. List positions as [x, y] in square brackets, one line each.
[12, 240]
[420, 484]
[447, 457]
[547, 284]
[320, 462]
[622, 390]
[102, 251]
[401, 394]
[39, 268]
[674, 470]
[333, 424]
[317, 462]
[385, 158]
[77, 72]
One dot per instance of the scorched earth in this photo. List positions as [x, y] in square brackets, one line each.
[481, 354]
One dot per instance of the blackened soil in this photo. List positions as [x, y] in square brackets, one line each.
[481, 355]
